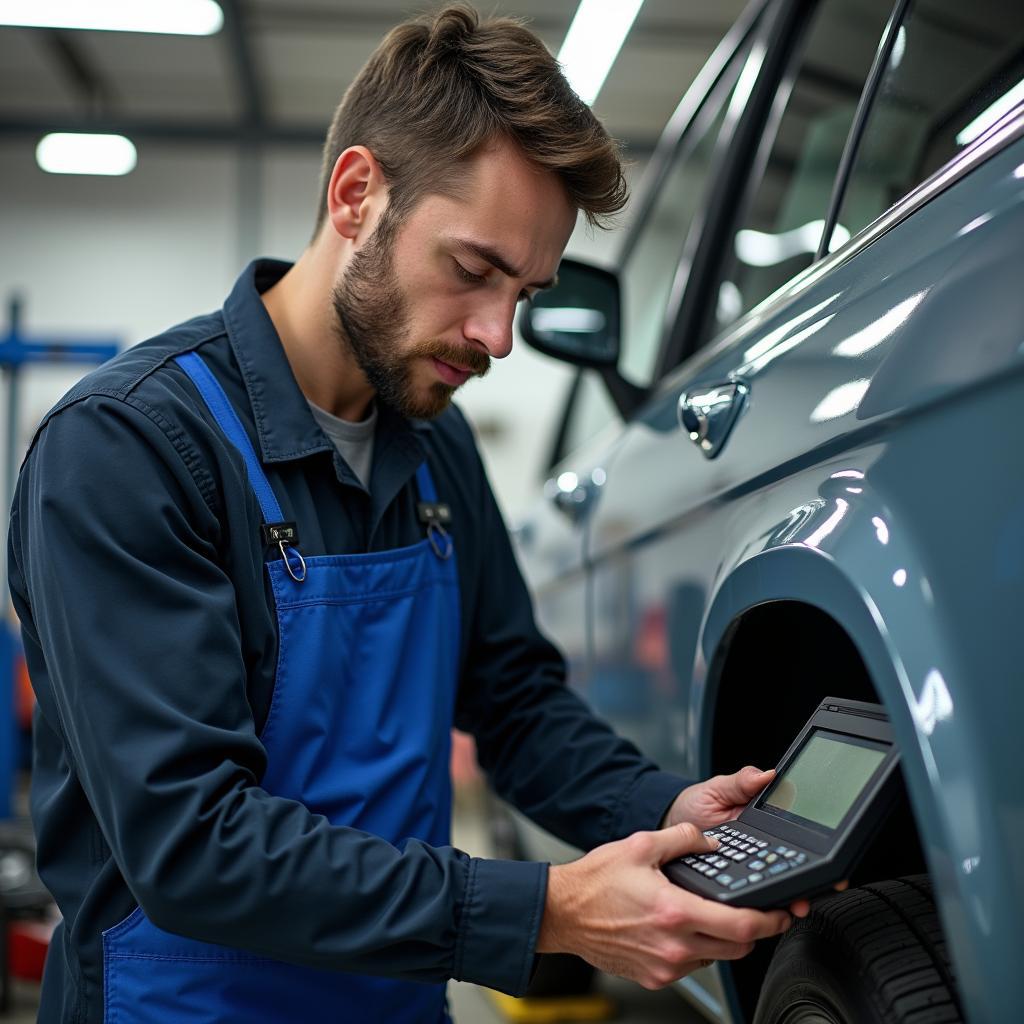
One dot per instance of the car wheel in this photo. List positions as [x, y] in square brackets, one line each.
[874, 955]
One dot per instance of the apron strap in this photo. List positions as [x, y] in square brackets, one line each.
[425, 484]
[275, 529]
[227, 419]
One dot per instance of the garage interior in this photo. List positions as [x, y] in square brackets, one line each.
[216, 131]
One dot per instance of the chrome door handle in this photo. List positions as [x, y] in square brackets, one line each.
[708, 414]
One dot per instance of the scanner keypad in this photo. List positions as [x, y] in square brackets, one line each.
[742, 859]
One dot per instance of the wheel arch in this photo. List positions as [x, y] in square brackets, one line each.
[798, 589]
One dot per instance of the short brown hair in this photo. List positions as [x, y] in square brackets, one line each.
[439, 87]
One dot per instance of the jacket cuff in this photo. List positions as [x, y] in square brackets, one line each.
[646, 802]
[499, 923]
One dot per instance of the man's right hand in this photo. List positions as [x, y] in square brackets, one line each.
[616, 909]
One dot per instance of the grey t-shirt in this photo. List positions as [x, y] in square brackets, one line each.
[353, 440]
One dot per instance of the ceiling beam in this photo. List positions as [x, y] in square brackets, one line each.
[299, 17]
[206, 132]
[203, 132]
[78, 71]
[249, 80]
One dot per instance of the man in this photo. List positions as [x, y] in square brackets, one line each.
[260, 574]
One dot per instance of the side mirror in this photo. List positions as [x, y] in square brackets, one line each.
[577, 320]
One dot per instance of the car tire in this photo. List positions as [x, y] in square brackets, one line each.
[873, 955]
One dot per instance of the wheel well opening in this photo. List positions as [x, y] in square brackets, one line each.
[775, 665]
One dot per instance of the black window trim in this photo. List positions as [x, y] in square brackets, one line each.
[775, 37]
[555, 452]
[860, 119]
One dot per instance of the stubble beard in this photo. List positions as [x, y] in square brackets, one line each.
[371, 320]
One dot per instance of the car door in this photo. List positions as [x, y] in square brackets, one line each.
[656, 536]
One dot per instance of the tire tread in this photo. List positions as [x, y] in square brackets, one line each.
[890, 935]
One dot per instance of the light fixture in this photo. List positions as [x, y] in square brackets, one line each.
[76, 153]
[170, 17]
[593, 41]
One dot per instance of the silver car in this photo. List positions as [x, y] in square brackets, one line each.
[792, 465]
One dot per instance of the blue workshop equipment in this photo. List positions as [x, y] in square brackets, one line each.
[17, 351]
[8, 733]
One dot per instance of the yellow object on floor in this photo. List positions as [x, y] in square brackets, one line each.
[552, 1011]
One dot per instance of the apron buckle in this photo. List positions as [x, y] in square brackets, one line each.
[297, 572]
[440, 541]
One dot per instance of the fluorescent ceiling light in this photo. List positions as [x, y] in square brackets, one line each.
[990, 115]
[593, 42]
[171, 17]
[73, 153]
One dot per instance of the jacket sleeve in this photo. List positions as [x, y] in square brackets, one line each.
[138, 667]
[542, 747]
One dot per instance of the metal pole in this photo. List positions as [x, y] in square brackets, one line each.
[11, 375]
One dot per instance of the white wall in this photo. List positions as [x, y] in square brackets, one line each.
[127, 257]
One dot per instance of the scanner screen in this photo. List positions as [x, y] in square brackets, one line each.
[825, 778]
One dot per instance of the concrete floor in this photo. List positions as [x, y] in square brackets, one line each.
[469, 1004]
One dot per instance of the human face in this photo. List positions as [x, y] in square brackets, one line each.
[425, 305]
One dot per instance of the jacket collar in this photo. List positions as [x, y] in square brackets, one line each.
[284, 424]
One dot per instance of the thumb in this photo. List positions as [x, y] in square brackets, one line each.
[679, 840]
[745, 784]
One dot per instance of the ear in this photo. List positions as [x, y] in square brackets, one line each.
[356, 192]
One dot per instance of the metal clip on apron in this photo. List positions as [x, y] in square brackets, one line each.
[358, 730]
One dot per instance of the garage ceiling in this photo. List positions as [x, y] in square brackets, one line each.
[276, 70]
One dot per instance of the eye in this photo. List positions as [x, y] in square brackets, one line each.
[466, 275]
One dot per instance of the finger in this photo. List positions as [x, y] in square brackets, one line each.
[800, 908]
[842, 886]
[740, 925]
[677, 840]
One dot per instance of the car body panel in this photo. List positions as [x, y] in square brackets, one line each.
[875, 473]
[898, 512]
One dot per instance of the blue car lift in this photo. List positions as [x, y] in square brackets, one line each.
[18, 351]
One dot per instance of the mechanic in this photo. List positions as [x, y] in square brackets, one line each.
[260, 574]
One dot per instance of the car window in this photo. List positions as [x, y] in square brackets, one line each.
[649, 272]
[650, 267]
[955, 69]
[781, 228]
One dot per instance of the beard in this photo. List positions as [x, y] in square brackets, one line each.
[372, 322]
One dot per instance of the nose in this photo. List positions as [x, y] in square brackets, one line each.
[491, 327]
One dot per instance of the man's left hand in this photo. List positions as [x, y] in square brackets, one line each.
[722, 798]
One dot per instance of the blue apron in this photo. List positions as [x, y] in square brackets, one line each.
[358, 731]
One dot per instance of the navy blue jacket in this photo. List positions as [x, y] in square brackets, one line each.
[136, 567]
